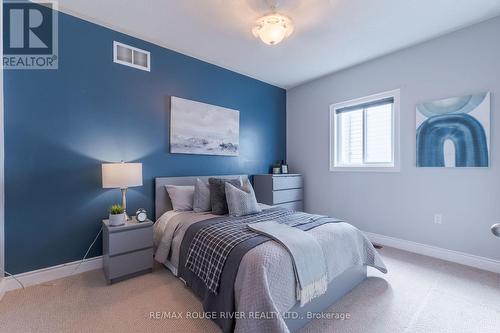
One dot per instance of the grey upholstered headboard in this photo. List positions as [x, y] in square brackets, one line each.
[162, 200]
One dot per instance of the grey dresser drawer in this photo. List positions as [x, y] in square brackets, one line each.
[130, 240]
[287, 196]
[280, 190]
[122, 265]
[295, 205]
[287, 182]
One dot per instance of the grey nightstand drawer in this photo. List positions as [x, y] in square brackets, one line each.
[286, 196]
[130, 240]
[287, 182]
[295, 205]
[125, 264]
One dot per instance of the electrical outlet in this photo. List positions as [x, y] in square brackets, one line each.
[438, 218]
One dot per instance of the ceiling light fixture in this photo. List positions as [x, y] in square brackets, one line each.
[274, 27]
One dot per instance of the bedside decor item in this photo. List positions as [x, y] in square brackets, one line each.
[117, 215]
[276, 168]
[495, 229]
[127, 249]
[199, 128]
[284, 167]
[122, 175]
[141, 215]
[454, 132]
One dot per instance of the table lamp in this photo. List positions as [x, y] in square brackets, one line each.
[122, 175]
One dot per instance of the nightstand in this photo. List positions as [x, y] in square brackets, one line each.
[127, 249]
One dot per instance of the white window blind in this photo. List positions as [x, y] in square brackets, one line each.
[379, 134]
[351, 137]
[364, 133]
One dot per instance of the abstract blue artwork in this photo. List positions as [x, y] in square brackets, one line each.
[454, 132]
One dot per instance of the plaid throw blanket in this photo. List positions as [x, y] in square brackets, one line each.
[211, 245]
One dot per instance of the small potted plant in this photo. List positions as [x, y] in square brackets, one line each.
[116, 215]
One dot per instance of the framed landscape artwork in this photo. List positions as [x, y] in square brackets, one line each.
[199, 128]
[454, 132]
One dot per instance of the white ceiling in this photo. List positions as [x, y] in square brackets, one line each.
[330, 35]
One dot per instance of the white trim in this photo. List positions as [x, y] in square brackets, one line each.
[462, 258]
[52, 273]
[333, 135]
[2, 173]
[2, 288]
[131, 64]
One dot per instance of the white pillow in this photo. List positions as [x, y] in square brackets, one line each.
[181, 197]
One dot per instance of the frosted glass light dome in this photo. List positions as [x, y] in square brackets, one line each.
[273, 28]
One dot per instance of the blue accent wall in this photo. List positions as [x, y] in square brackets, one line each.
[60, 125]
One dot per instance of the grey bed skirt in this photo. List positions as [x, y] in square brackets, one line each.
[341, 285]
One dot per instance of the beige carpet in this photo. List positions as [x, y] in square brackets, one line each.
[419, 294]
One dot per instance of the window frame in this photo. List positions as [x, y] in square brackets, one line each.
[131, 64]
[334, 134]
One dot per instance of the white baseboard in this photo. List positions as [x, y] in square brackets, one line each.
[51, 273]
[2, 287]
[462, 258]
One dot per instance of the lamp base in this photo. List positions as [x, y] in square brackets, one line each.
[124, 203]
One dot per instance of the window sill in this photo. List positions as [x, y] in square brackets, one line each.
[364, 169]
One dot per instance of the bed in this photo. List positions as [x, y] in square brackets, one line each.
[262, 295]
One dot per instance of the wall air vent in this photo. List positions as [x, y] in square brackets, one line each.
[131, 56]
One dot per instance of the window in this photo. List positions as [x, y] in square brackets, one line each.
[364, 133]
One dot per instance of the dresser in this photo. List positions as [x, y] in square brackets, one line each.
[283, 190]
[127, 249]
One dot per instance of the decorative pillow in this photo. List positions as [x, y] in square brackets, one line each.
[218, 194]
[181, 197]
[242, 201]
[201, 200]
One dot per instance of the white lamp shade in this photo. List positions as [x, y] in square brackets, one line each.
[121, 175]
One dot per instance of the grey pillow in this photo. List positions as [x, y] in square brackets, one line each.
[201, 200]
[218, 194]
[181, 197]
[242, 201]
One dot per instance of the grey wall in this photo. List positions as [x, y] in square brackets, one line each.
[402, 204]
